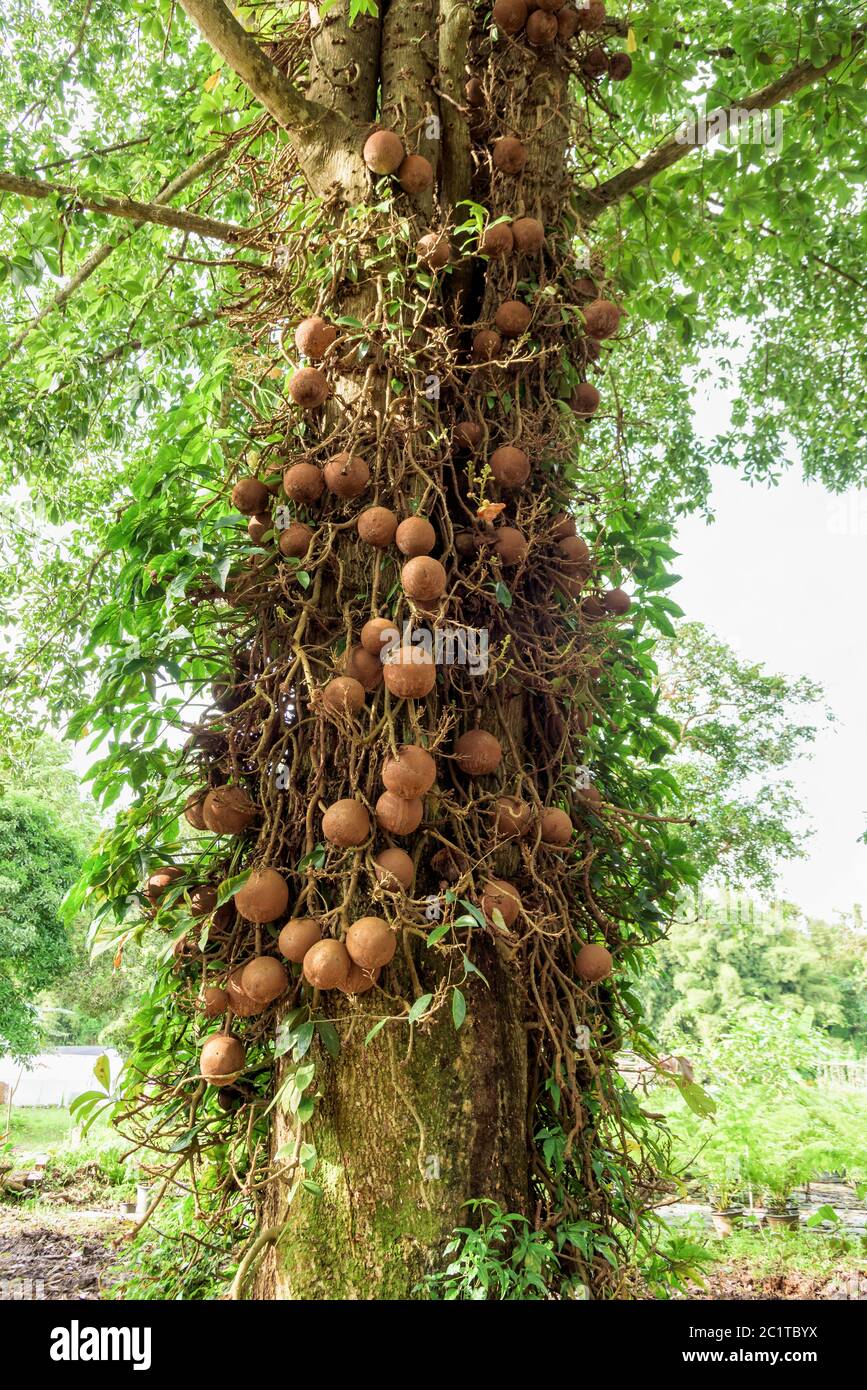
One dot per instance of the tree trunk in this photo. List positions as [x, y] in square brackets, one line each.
[405, 1133]
[410, 1129]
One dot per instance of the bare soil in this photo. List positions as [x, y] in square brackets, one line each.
[55, 1253]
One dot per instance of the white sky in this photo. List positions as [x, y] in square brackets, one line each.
[780, 575]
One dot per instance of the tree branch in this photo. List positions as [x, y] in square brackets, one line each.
[102, 253]
[326, 144]
[126, 208]
[593, 202]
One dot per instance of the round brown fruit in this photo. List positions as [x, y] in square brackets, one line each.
[434, 250]
[203, 900]
[513, 318]
[585, 399]
[297, 937]
[239, 1000]
[295, 540]
[510, 545]
[509, 465]
[502, 896]
[410, 673]
[415, 536]
[383, 152]
[221, 1059]
[399, 815]
[313, 337]
[193, 809]
[529, 235]
[303, 483]
[595, 63]
[309, 387]
[376, 526]
[346, 823]
[617, 602]
[486, 345]
[327, 964]
[364, 667]
[394, 869]
[590, 796]
[567, 24]
[346, 475]
[510, 15]
[412, 773]
[250, 496]
[467, 434]
[358, 981]
[542, 29]
[592, 609]
[512, 816]
[264, 979]
[593, 963]
[377, 633]
[478, 753]
[551, 6]
[213, 1001]
[474, 93]
[562, 526]
[415, 174]
[258, 527]
[556, 827]
[423, 578]
[264, 897]
[160, 881]
[602, 318]
[509, 155]
[497, 240]
[619, 67]
[592, 16]
[343, 695]
[228, 811]
[574, 555]
[371, 943]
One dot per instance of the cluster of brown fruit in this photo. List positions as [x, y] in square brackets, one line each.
[545, 22]
[384, 154]
[352, 965]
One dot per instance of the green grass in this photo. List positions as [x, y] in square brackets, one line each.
[45, 1129]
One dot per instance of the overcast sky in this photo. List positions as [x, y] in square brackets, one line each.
[781, 575]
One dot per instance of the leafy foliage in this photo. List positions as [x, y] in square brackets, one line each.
[737, 728]
[39, 862]
[731, 956]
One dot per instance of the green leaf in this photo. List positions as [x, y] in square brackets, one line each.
[419, 1007]
[102, 1072]
[459, 1007]
[330, 1037]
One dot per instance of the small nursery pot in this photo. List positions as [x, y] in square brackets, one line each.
[727, 1219]
[783, 1220]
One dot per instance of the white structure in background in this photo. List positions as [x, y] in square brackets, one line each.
[56, 1078]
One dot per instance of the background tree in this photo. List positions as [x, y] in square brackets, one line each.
[130, 458]
[733, 953]
[40, 862]
[737, 728]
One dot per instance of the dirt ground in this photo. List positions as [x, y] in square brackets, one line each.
[55, 1254]
[735, 1281]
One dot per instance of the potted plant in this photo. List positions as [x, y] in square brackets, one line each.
[778, 1182]
[723, 1192]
